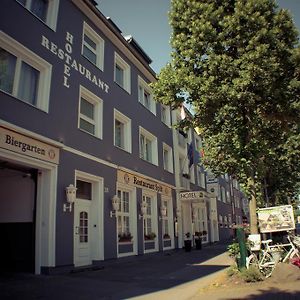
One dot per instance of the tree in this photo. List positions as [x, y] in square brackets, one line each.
[236, 64]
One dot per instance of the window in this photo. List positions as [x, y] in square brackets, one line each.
[122, 73]
[148, 147]
[84, 190]
[23, 74]
[166, 220]
[83, 227]
[201, 177]
[221, 220]
[45, 10]
[124, 213]
[92, 46]
[122, 131]
[90, 113]
[165, 115]
[150, 226]
[145, 96]
[168, 158]
[228, 198]
[223, 194]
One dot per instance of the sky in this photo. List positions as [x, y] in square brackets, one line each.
[147, 21]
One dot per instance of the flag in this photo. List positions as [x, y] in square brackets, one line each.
[182, 112]
[197, 157]
[190, 154]
[201, 152]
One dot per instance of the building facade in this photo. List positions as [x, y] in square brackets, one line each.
[77, 114]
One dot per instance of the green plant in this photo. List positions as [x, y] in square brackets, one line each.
[251, 275]
[187, 235]
[150, 236]
[166, 236]
[198, 234]
[234, 250]
[232, 270]
[125, 237]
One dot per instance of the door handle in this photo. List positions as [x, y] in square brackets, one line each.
[77, 230]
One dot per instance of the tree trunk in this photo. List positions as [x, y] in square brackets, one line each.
[252, 207]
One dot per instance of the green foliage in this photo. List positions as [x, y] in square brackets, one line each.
[232, 271]
[236, 63]
[251, 275]
[234, 250]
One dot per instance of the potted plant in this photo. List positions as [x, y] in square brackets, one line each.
[166, 236]
[187, 242]
[198, 239]
[150, 236]
[125, 237]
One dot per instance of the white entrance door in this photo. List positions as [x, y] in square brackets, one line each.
[82, 235]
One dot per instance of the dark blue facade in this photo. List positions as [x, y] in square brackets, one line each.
[83, 156]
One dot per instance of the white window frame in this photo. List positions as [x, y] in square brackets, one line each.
[201, 177]
[152, 217]
[166, 201]
[52, 12]
[142, 85]
[127, 130]
[165, 111]
[98, 111]
[99, 52]
[221, 221]
[169, 151]
[153, 139]
[45, 69]
[126, 85]
[132, 218]
[223, 194]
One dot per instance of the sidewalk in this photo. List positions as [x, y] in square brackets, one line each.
[176, 275]
[173, 275]
[189, 290]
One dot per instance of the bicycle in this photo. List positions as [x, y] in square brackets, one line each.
[264, 261]
[267, 259]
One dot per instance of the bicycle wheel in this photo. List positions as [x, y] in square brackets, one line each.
[267, 265]
[294, 254]
[252, 261]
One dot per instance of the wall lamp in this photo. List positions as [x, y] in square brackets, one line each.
[143, 209]
[115, 203]
[71, 196]
[163, 212]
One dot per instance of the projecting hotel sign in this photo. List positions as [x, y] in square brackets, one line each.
[16, 142]
[194, 195]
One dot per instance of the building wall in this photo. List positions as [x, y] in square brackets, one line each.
[82, 155]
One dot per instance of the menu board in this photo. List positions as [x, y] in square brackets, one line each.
[276, 218]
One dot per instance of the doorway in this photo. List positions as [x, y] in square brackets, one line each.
[18, 190]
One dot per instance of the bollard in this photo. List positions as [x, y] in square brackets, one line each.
[242, 244]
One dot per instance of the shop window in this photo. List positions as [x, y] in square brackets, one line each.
[124, 214]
